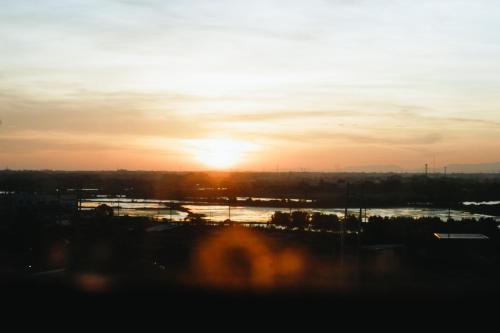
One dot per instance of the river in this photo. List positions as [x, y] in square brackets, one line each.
[217, 213]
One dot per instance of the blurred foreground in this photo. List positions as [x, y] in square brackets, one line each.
[115, 256]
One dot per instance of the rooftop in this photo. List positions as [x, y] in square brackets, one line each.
[460, 236]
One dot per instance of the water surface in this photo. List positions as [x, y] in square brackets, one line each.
[219, 213]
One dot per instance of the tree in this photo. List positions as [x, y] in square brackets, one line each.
[324, 221]
[300, 219]
[104, 211]
[281, 219]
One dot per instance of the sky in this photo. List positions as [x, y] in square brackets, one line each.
[257, 85]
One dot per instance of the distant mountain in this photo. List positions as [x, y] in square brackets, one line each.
[475, 168]
[373, 168]
[452, 168]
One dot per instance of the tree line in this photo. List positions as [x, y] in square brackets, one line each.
[398, 228]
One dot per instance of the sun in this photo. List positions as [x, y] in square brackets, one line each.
[220, 153]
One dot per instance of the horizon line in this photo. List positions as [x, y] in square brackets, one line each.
[415, 172]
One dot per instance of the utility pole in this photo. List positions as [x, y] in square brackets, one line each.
[449, 219]
[346, 200]
[79, 202]
[426, 169]
[448, 183]
[344, 224]
[158, 211]
[118, 205]
[170, 207]
[59, 208]
[359, 228]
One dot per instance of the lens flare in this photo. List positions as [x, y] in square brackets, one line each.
[239, 258]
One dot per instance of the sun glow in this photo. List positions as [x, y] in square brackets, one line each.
[220, 153]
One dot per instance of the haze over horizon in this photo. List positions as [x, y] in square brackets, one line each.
[249, 85]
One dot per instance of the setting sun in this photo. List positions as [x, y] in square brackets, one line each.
[220, 153]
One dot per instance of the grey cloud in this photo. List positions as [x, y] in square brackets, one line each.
[15, 145]
[284, 115]
[488, 123]
[417, 139]
[325, 137]
[92, 113]
[30, 145]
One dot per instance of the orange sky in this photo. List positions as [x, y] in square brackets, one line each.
[239, 85]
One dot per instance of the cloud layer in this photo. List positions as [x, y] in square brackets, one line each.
[313, 84]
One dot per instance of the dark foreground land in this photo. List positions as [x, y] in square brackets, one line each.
[51, 249]
[116, 256]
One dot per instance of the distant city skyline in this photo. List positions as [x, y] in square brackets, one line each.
[250, 85]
